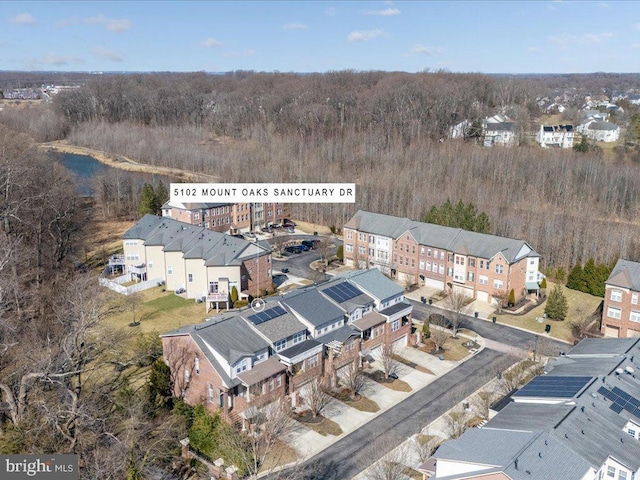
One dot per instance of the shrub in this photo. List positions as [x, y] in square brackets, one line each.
[512, 297]
[543, 283]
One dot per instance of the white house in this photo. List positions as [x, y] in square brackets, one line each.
[499, 133]
[601, 131]
[558, 136]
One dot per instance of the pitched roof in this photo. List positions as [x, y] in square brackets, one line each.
[262, 371]
[602, 126]
[348, 305]
[625, 274]
[312, 306]
[500, 127]
[340, 334]
[277, 328]
[452, 239]
[374, 283]
[142, 227]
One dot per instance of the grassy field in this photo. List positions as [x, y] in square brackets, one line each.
[580, 304]
[160, 312]
[454, 349]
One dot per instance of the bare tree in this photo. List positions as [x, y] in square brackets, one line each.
[501, 299]
[315, 395]
[456, 424]
[482, 402]
[352, 376]
[324, 249]
[387, 358]
[424, 445]
[384, 465]
[457, 303]
[271, 423]
[181, 357]
[439, 332]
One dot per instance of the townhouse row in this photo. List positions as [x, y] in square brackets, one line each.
[201, 264]
[481, 266]
[228, 217]
[240, 360]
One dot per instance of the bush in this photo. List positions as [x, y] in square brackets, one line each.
[340, 253]
[543, 283]
[426, 332]
[512, 298]
[234, 295]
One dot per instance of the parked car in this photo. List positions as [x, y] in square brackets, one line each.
[290, 230]
[293, 249]
[266, 229]
[250, 235]
[304, 248]
[311, 244]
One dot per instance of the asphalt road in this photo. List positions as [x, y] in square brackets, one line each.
[356, 451]
[497, 332]
[298, 263]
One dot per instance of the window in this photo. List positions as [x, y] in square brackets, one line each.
[298, 337]
[499, 269]
[631, 432]
[361, 250]
[613, 312]
[435, 253]
[616, 296]
[312, 362]
[634, 296]
[169, 270]
[634, 316]
[190, 277]
[349, 235]
[622, 475]
[130, 243]
[611, 471]
[413, 263]
[441, 269]
[450, 257]
[150, 263]
[488, 265]
[395, 325]
[196, 216]
[280, 345]
[372, 239]
[497, 284]
[481, 263]
[470, 276]
[197, 365]
[483, 280]
[349, 346]
[349, 248]
[242, 367]
[133, 257]
[422, 250]
[428, 252]
[450, 271]
[472, 262]
[372, 252]
[441, 255]
[271, 385]
[400, 262]
[428, 267]
[278, 381]
[210, 393]
[421, 264]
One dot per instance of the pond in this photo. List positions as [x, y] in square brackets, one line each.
[86, 168]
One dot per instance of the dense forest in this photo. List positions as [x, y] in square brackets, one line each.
[385, 131]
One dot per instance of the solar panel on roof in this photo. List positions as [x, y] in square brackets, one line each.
[267, 315]
[621, 400]
[562, 387]
[616, 407]
[342, 292]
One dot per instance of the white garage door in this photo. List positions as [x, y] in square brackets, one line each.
[483, 297]
[633, 333]
[433, 283]
[467, 292]
[611, 332]
[399, 343]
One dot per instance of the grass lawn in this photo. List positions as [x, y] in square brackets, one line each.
[361, 402]
[392, 383]
[320, 424]
[454, 349]
[579, 304]
[281, 455]
[159, 312]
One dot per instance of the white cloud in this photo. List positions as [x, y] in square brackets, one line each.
[211, 43]
[246, 53]
[107, 54]
[330, 12]
[565, 40]
[295, 26]
[365, 35]
[423, 49]
[23, 19]
[113, 24]
[387, 12]
[55, 59]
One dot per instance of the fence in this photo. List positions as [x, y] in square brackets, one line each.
[116, 284]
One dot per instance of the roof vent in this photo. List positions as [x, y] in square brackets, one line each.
[515, 463]
[566, 436]
[582, 409]
[539, 454]
[629, 369]
[619, 371]
[594, 394]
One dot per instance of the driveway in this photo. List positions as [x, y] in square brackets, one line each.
[354, 452]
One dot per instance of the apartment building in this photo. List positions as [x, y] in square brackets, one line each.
[246, 358]
[484, 267]
[621, 312]
[228, 217]
[202, 264]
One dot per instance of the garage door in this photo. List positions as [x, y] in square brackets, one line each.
[483, 297]
[467, 292]
[399, 343]
[433, 283]
[611, 332]
[633, 333]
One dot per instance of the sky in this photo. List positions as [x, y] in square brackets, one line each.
[318, 36]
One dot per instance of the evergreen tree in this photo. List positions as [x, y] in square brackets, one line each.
[590, 277]
[557, 305]
[162, 194]
[576, 279]
[234, 294]
[148, 201]
[543, 283]
[159, 387]
[459, 215]
[340, 252]
[512, 297]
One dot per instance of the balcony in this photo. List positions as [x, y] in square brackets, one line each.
[217, 296]
[138, 269]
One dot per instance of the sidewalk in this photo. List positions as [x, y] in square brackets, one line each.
[308, 443]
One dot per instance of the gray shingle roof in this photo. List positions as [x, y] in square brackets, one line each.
[348, 305]
[529, 417]
[143, 227]
[603, 346]
[625, 274]
[449, 238]
[395, 308]
[313, 306]
[500, 127]
[602, 126]
[339, 334]
[277, 328]
[231, 338]
[374, 283]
